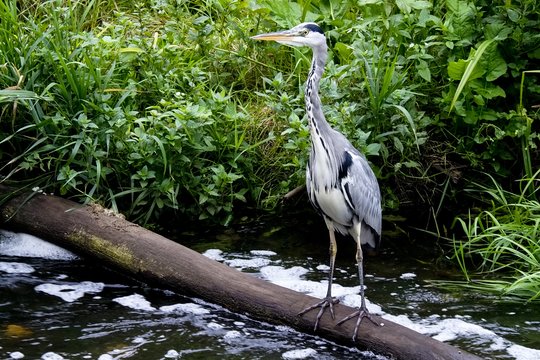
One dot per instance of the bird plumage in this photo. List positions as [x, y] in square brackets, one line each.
[340, 183]
[343, 188]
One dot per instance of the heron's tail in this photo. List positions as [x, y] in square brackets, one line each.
[370, 240]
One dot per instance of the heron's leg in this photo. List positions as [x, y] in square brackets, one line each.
[333, 252]
[360, 263]
[362, 312]
[328, 301]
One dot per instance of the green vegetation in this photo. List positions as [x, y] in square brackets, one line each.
[166, 109]
[504, 241]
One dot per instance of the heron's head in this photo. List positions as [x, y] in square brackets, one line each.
[305, 34]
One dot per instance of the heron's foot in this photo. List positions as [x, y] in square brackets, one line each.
[327, 302]
[361, 313]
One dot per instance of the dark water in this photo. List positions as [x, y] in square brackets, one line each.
[97, 325]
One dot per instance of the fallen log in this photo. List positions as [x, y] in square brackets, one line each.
[96, 233]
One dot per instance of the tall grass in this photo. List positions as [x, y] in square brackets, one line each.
[502, 243]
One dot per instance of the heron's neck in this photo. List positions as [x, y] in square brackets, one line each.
[317, 121]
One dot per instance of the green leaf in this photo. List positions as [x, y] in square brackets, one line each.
[498, 31]
[373, 149]
[494, 64]
[410, 120]
[423, 70]
[469, 70]
[10, 95]
[406, 6]
[202, 198]
[461, 20]
[398, 144]
[456, 69]
[344, 51]
[369, 2]
[488, 90]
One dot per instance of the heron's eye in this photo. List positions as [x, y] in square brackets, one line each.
[304, 32]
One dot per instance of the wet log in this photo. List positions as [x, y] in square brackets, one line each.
[95, 233]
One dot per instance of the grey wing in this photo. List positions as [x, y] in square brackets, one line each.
[361, 188]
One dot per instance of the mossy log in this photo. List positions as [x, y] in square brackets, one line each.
[94, 233]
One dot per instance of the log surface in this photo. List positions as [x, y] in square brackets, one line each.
[97, 234]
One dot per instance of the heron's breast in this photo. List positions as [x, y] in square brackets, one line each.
[332, 203]
[325, 192]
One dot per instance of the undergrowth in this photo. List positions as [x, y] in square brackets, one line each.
[166, 110]
[502, 242]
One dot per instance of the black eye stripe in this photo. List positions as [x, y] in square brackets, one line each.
[314, 28]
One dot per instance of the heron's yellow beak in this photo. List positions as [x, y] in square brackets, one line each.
[286, 37]
[275, 36]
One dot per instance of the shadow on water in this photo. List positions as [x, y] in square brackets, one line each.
[128, 320]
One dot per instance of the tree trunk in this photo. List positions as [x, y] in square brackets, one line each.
[95, 233]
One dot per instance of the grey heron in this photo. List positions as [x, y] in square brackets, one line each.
[340, 183]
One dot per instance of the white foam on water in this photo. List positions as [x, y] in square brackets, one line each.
[355, 300]
[232, 335]
[15, 268]
[25, 245]
[292, 278]
[436, 326]
[139, 340]
[172, 354]
[299, 354]
[51, 356]
[262, 253]
[136, 302]
[139, 302]
[523, 353]
[289, 278]
[407, 276]
[215, 326]
[214, 254]
[323, 267]
[404, 321]
[71, 292]
[189, 308]
[457, 328]
[256, 262]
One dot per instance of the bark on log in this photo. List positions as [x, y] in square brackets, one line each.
[93, 232]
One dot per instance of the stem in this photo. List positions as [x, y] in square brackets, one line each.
[527, 165]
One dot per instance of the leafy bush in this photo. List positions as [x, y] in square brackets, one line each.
[128, 114]
[161, 107]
